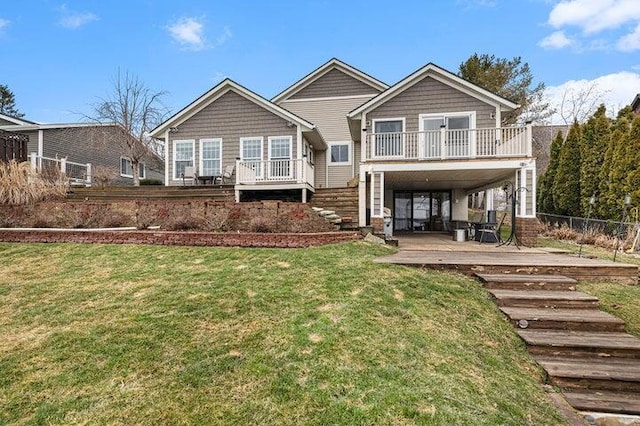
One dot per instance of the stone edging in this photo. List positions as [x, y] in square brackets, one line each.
[175, 238]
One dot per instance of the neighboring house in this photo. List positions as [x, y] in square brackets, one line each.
[82, 143]
[418, 148]
[635, 105]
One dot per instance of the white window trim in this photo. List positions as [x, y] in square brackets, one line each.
[290, 138]
[350, 153]
[144, 169]
[373, 131]
[378, 120]
[201, 160]
[252, 138]
[173, 164]
[470, 114]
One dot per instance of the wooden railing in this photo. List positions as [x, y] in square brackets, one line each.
[274, 171]
[446, 144]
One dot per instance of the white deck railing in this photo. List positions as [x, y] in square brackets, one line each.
[446, 144]
[76, 172]
[274, 171]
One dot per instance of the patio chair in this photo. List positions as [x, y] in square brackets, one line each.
[189, 173]
[228, 172]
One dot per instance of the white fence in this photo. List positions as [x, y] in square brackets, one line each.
[449, 144]
[77, 173]
[274, 171]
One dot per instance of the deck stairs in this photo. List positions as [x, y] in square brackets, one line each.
[337, 205]
[584, 351]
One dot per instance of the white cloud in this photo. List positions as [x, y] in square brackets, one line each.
[4, 23]
[224, 37]
[617, 89]
[594, 16]
[557, 40]
[630, 41]
[188, 32]
[72, 20]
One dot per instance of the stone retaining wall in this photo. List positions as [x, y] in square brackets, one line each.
[177, 238]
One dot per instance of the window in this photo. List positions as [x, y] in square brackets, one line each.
[251, 153]
[183, 156]
[280, 156]
[340, 153]
[210, 157]
[389, 138]
[126, 169]
[458, 136]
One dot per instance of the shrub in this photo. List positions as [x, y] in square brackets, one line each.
[103, 175]
[261, 224]
[150, 182]
[19, 184]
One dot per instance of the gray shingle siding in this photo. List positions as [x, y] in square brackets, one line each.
[334, 83]
[430, 96]
[230, 117]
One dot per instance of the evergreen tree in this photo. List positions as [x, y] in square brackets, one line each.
[620, 168]
[8, 102]
[633, 179]
[566, 185]
[545, 186]
[595, 140]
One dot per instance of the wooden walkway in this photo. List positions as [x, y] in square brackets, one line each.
[440, 252]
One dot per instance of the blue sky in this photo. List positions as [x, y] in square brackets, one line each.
[60, 57]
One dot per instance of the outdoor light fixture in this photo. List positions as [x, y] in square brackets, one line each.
[592, 200]
[627, 200]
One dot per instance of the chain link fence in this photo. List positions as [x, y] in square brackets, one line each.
[580, 224]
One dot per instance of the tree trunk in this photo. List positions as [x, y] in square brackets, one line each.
[135, 170]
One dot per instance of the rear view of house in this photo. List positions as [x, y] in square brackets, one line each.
[416, 150]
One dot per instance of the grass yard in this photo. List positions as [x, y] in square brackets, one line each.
[98, 334]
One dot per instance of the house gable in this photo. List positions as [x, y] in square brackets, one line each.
[335, 83]
[332, 79]
[7, 120]
[431, 96]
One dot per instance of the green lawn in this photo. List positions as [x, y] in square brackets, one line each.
[98, 334]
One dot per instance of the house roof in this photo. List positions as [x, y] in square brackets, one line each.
[446, 77]
[333, 63]
[225, 86]
[43, 126]
[15, 120]
[635, 104]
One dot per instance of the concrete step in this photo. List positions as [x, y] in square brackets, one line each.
[544, 299]
[527, 282]
[581, 343]
[605, 402]
[563, 319]
[611, 374]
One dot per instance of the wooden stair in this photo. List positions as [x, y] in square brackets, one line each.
[585, 352]
[343, 202]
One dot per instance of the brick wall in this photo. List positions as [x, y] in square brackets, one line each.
[527, 230]
[176, 238]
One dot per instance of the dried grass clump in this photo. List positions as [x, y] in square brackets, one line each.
[21, 185]
[103, 175]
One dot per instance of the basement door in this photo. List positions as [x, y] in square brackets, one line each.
[416, 211]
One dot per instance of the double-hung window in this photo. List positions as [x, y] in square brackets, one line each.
[126, 168]
[280, 156]
[183, 157]
[251, 154]
[210, 157]
[340, 153]
[389, 138]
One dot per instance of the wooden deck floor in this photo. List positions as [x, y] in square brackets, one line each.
[439, 251]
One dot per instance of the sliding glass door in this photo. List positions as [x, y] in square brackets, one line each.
[416, 211]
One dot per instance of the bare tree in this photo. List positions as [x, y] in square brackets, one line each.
[135, 110]
[579, 103]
